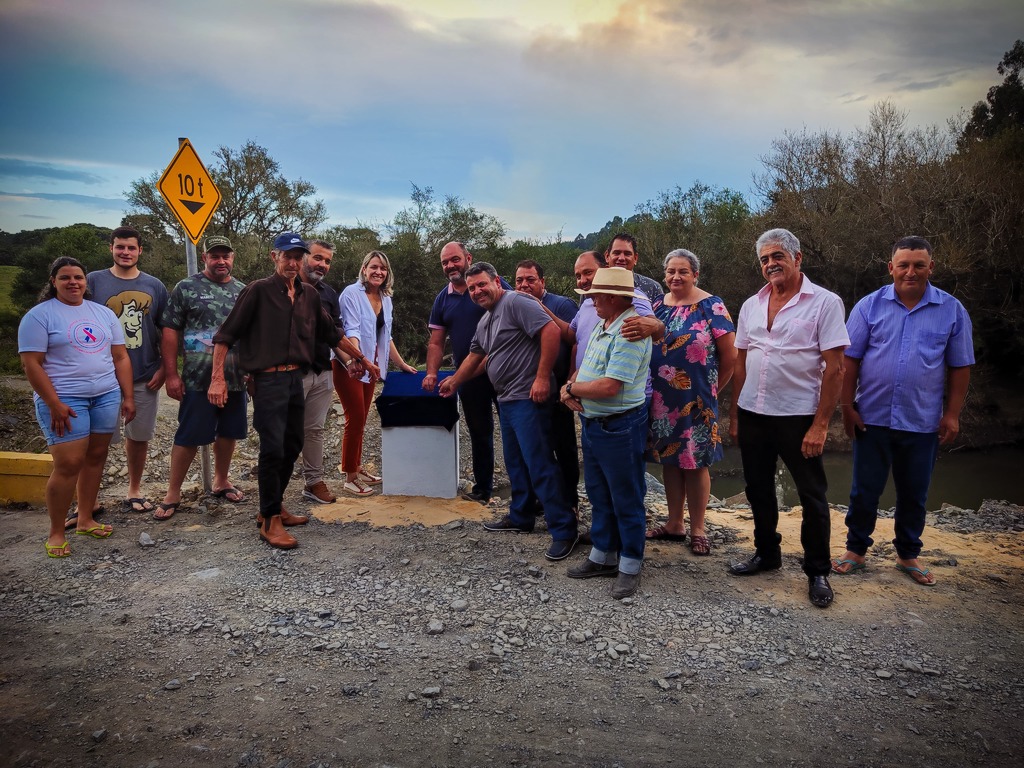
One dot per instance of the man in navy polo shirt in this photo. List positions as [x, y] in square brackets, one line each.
[455, 315]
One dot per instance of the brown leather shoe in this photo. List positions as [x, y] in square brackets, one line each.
[287, 518]
[272, 532]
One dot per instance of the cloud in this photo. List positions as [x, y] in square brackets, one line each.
[99, 203]
[11, 167]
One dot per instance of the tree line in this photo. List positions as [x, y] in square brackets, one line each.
[847, 196]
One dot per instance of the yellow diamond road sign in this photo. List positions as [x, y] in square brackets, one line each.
[189, 190]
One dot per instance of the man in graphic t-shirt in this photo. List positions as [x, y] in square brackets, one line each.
[138, 300]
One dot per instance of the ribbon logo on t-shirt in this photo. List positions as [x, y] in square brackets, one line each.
[86, 337]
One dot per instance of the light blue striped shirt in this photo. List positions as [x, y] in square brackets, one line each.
[904, 354]
[610, 355]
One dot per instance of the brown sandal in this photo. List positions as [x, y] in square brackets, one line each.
[700, 545]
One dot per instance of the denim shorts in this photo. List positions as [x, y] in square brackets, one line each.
[93, 415]
[200, 421]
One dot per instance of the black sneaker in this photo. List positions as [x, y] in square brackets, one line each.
[559, 550]
[506, 524]
[588, 569]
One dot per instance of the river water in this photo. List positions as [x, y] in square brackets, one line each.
[962, 478]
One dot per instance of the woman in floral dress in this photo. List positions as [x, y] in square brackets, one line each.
[690, 366]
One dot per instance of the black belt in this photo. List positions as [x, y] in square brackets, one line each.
[603, 420]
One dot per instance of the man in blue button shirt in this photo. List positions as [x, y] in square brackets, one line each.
[906, 374]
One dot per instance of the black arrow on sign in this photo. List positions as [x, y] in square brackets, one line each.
[192, 205]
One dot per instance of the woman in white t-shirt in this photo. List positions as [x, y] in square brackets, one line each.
[366, 314]
[73, 354]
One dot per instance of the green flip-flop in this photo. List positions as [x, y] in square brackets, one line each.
[854, 566]
[913, 573]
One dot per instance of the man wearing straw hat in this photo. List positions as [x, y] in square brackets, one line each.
[608, 392]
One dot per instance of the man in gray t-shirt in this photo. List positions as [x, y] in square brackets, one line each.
[517, 343]
[138, 300]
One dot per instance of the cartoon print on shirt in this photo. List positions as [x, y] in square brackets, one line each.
[131, 307]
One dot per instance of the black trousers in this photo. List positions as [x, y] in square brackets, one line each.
[278, 414]
[763, 440]
[477, 397]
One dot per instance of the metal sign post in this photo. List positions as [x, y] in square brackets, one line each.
[193, 197]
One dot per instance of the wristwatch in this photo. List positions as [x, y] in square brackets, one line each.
[568, 389]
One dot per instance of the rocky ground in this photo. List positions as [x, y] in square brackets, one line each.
[400, 633]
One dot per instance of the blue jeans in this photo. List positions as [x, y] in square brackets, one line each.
[477, 395]
[278, 416]
[613, 472]
[531, 467]
[911, 456]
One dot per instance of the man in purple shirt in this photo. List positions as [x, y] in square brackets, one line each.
[910, 344]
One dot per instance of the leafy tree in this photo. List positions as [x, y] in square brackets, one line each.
[1003, 108]
[85, 242]
[556, 257]
[710, 222]
[257, 201]
[432, 223]
[415, 238]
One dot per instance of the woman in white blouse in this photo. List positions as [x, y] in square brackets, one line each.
[366, 314]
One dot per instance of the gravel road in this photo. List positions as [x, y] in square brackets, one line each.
[401, 634]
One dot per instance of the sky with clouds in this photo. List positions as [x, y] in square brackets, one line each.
[554, 115]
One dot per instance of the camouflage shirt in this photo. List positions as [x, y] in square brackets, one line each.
[196, 308]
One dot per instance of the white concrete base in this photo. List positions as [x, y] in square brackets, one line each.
[420, 461]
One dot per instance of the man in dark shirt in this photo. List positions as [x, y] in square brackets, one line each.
[276, 322]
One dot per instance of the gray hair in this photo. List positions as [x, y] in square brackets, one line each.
[682, 253]
[482, 266]
[389, 281]
[782, 237]
[322, 244]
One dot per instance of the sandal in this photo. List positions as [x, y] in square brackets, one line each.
[846, 565]
[355, 488]
[137, 505]
[165, 511]
[662, 533]
[921, 576]
[97, 531]
[72, 519]
[363, 476]
[232, 494]
[57, 550]
[700, 545]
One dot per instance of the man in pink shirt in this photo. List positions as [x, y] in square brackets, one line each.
[790, 337]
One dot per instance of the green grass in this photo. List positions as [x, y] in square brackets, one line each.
[7, 275]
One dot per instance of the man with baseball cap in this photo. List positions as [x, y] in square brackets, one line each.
[608, 393]
[195, 310]
[276, 323]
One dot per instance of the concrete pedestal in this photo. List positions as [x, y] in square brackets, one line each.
[420, 461]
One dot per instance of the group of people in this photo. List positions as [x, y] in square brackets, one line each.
[287, 341]
[643, 369]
